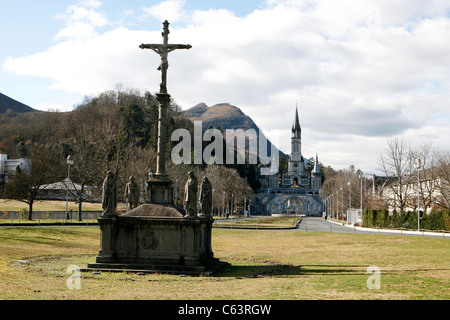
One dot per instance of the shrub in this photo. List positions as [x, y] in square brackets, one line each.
[369, 217]
[436, 220]
[411, 220]
[397, 220]
[382, 218]
[23, 213]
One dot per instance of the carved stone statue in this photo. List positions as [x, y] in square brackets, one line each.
[205, 197]
[109, 200]
[132, 194]
[190, 195]
[163, 50]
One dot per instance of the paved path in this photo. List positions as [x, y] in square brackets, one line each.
[314, 224]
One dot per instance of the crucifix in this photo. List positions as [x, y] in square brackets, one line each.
[159, 185]
[163, 50]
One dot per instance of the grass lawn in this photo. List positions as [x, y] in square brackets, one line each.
[263, 265]
[47, 205]
[266, 222]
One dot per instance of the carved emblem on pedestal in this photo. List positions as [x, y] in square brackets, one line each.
[149, 241]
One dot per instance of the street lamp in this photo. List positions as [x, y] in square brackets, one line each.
[350, 194]
[69, 162]
[212, 202]
[361, 197]
[418, 165]
[332, 205]
[232, 204]
[342, 206]
[245, 207]
[337, 204]
[176, 190]
[223, 208]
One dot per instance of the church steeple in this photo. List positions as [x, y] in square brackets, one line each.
[296, 163]
[316, 169]
[296, 130]
[316, 179]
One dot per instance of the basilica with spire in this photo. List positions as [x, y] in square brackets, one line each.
[297, 190]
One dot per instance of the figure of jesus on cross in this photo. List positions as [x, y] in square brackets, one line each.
[163, 51]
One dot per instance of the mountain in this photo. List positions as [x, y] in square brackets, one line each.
[16, 106]
[223, 116]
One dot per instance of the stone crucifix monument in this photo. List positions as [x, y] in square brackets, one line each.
[159, 236]
[163, 97]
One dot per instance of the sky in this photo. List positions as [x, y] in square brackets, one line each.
[360, 71]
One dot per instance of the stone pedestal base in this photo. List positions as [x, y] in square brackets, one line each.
[160, 190]
[160, 239]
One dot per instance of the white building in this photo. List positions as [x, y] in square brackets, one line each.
[423, 191]
[8, 167]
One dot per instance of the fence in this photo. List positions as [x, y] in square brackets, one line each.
[47, 216]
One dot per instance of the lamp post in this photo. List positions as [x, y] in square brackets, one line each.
[223, 208]
[69, 162]
[232, 204]
[418, 165]
[176, 190]
[350, 194]
[212, 202]
[327, 208]
[361, 197]
[331, 205]
[337, 204]
[245, 207]
[342, 206]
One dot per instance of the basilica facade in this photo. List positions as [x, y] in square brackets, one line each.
[295, 191]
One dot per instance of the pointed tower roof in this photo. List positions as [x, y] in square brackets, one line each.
[296, 125]
[316, 169]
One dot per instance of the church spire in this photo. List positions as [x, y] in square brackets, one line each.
[316, 169]
[296, 130]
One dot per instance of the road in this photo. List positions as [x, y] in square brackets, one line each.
[315, 224]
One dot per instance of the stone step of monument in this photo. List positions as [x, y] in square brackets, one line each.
[206, 270]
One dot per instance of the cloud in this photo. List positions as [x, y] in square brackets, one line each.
[81, 20]
[359, 70]
[172, 10]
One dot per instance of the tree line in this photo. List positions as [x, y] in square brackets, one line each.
[408, 164]
[400, 165]
[115, 130]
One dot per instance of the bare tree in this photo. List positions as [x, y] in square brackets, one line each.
[394, 161]
[25, 184]
[85, 169]
[428, 175]
[443, 172]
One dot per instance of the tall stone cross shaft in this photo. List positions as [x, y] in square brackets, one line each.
[163, 97]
